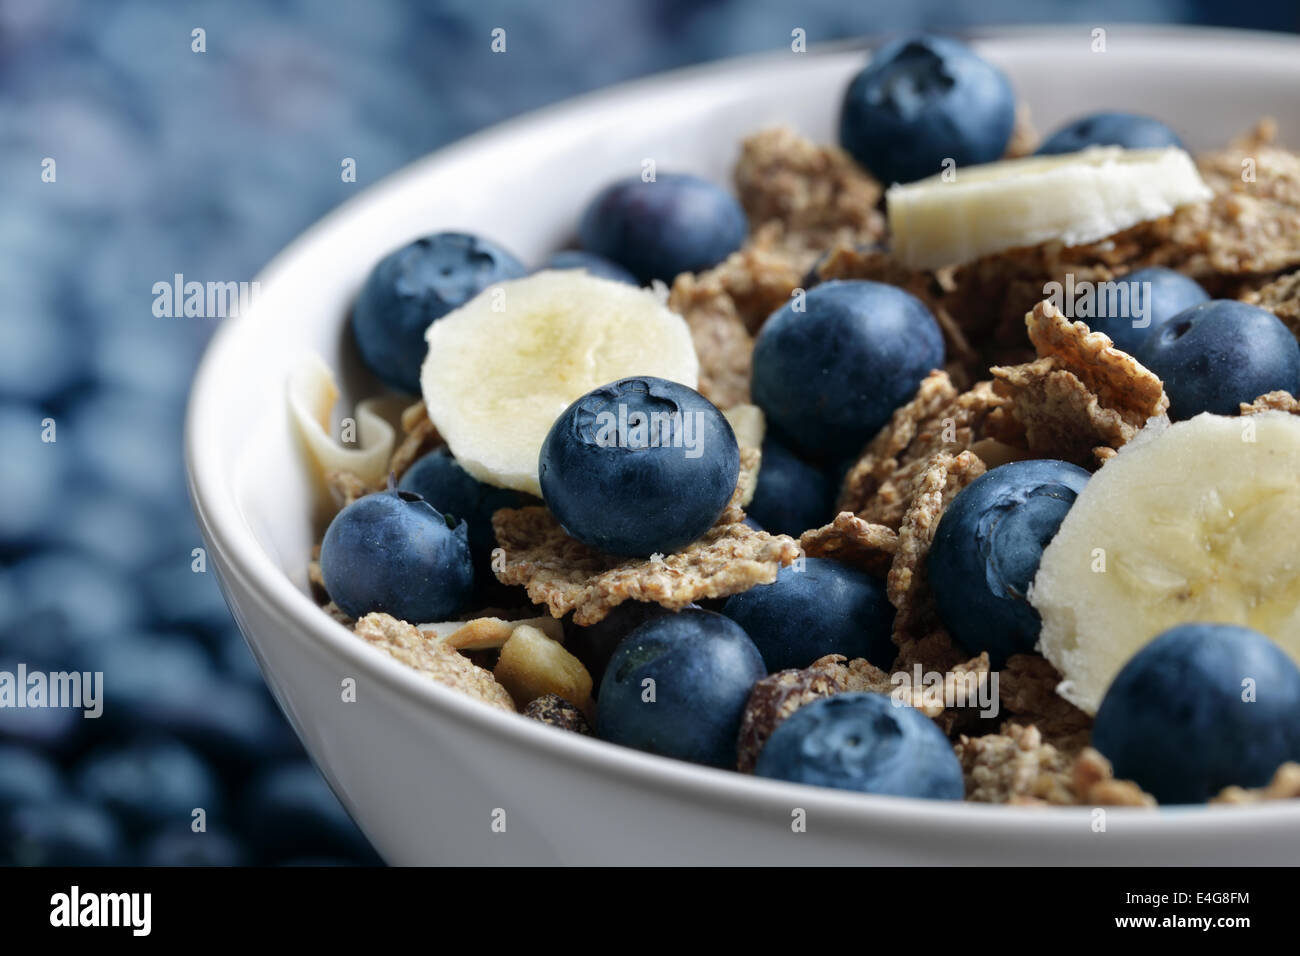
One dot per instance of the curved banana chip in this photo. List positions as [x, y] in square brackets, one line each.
[312, 395]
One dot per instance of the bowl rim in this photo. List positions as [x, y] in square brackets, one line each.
[212, 493]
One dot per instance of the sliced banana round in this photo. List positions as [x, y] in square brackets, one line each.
[1197, 521]
[502, 367]
[1076, 198]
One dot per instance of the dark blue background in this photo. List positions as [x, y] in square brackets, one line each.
[206, 164]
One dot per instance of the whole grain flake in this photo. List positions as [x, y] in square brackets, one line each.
[881, 485]
[566, 575]
[1080, 395]
[920, 636]
[852, 540]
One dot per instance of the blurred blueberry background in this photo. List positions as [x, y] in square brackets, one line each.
[206, 163]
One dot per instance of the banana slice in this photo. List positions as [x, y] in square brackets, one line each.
[502, 367]
[1073, 197]
[1198, 521]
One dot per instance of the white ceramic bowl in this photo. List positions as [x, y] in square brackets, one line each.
[425, 770]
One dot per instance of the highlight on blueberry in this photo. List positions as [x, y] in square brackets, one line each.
[638, 467]
[829, 370]
[1128, 130]
[817, 607]
[677, 686]
[393, 552]
[987, 549]
[864, 742]
[924, 100]
[660, 228]
[1201, 707]
[413, 286]
[1216, 355]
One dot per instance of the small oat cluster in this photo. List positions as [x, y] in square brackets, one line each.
[1037, 387]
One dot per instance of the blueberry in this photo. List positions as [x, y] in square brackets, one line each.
[640, 466]
[1200, 708]
[162, 659]
[863, 742]
[595, 644]
[823, 607]
[394, 552]
[60, 833]
[830, 377]
[677, 686]
[235, 726]
[1144, 300]
[180, 597]
[451, 490]
[158, 681]
[1218, 354]
[34, 474]
[128, 442]
[68, 597]
[1110, 129]
[987, 549]
[49, 729]
[10, 606]
[184, 847]
[414, 285]
[923, 100]
[149, 783]
[139, 355]
[590, 263]
[26, 777]
[792, 495]
[118, 530]
[35, 361]
[290, 811]
[656, 230]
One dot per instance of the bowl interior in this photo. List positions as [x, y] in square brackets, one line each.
[525, 183]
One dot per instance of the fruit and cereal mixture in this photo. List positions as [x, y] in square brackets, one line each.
[939, 462]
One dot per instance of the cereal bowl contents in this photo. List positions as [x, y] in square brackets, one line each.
[852, 549]
[638, 472]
